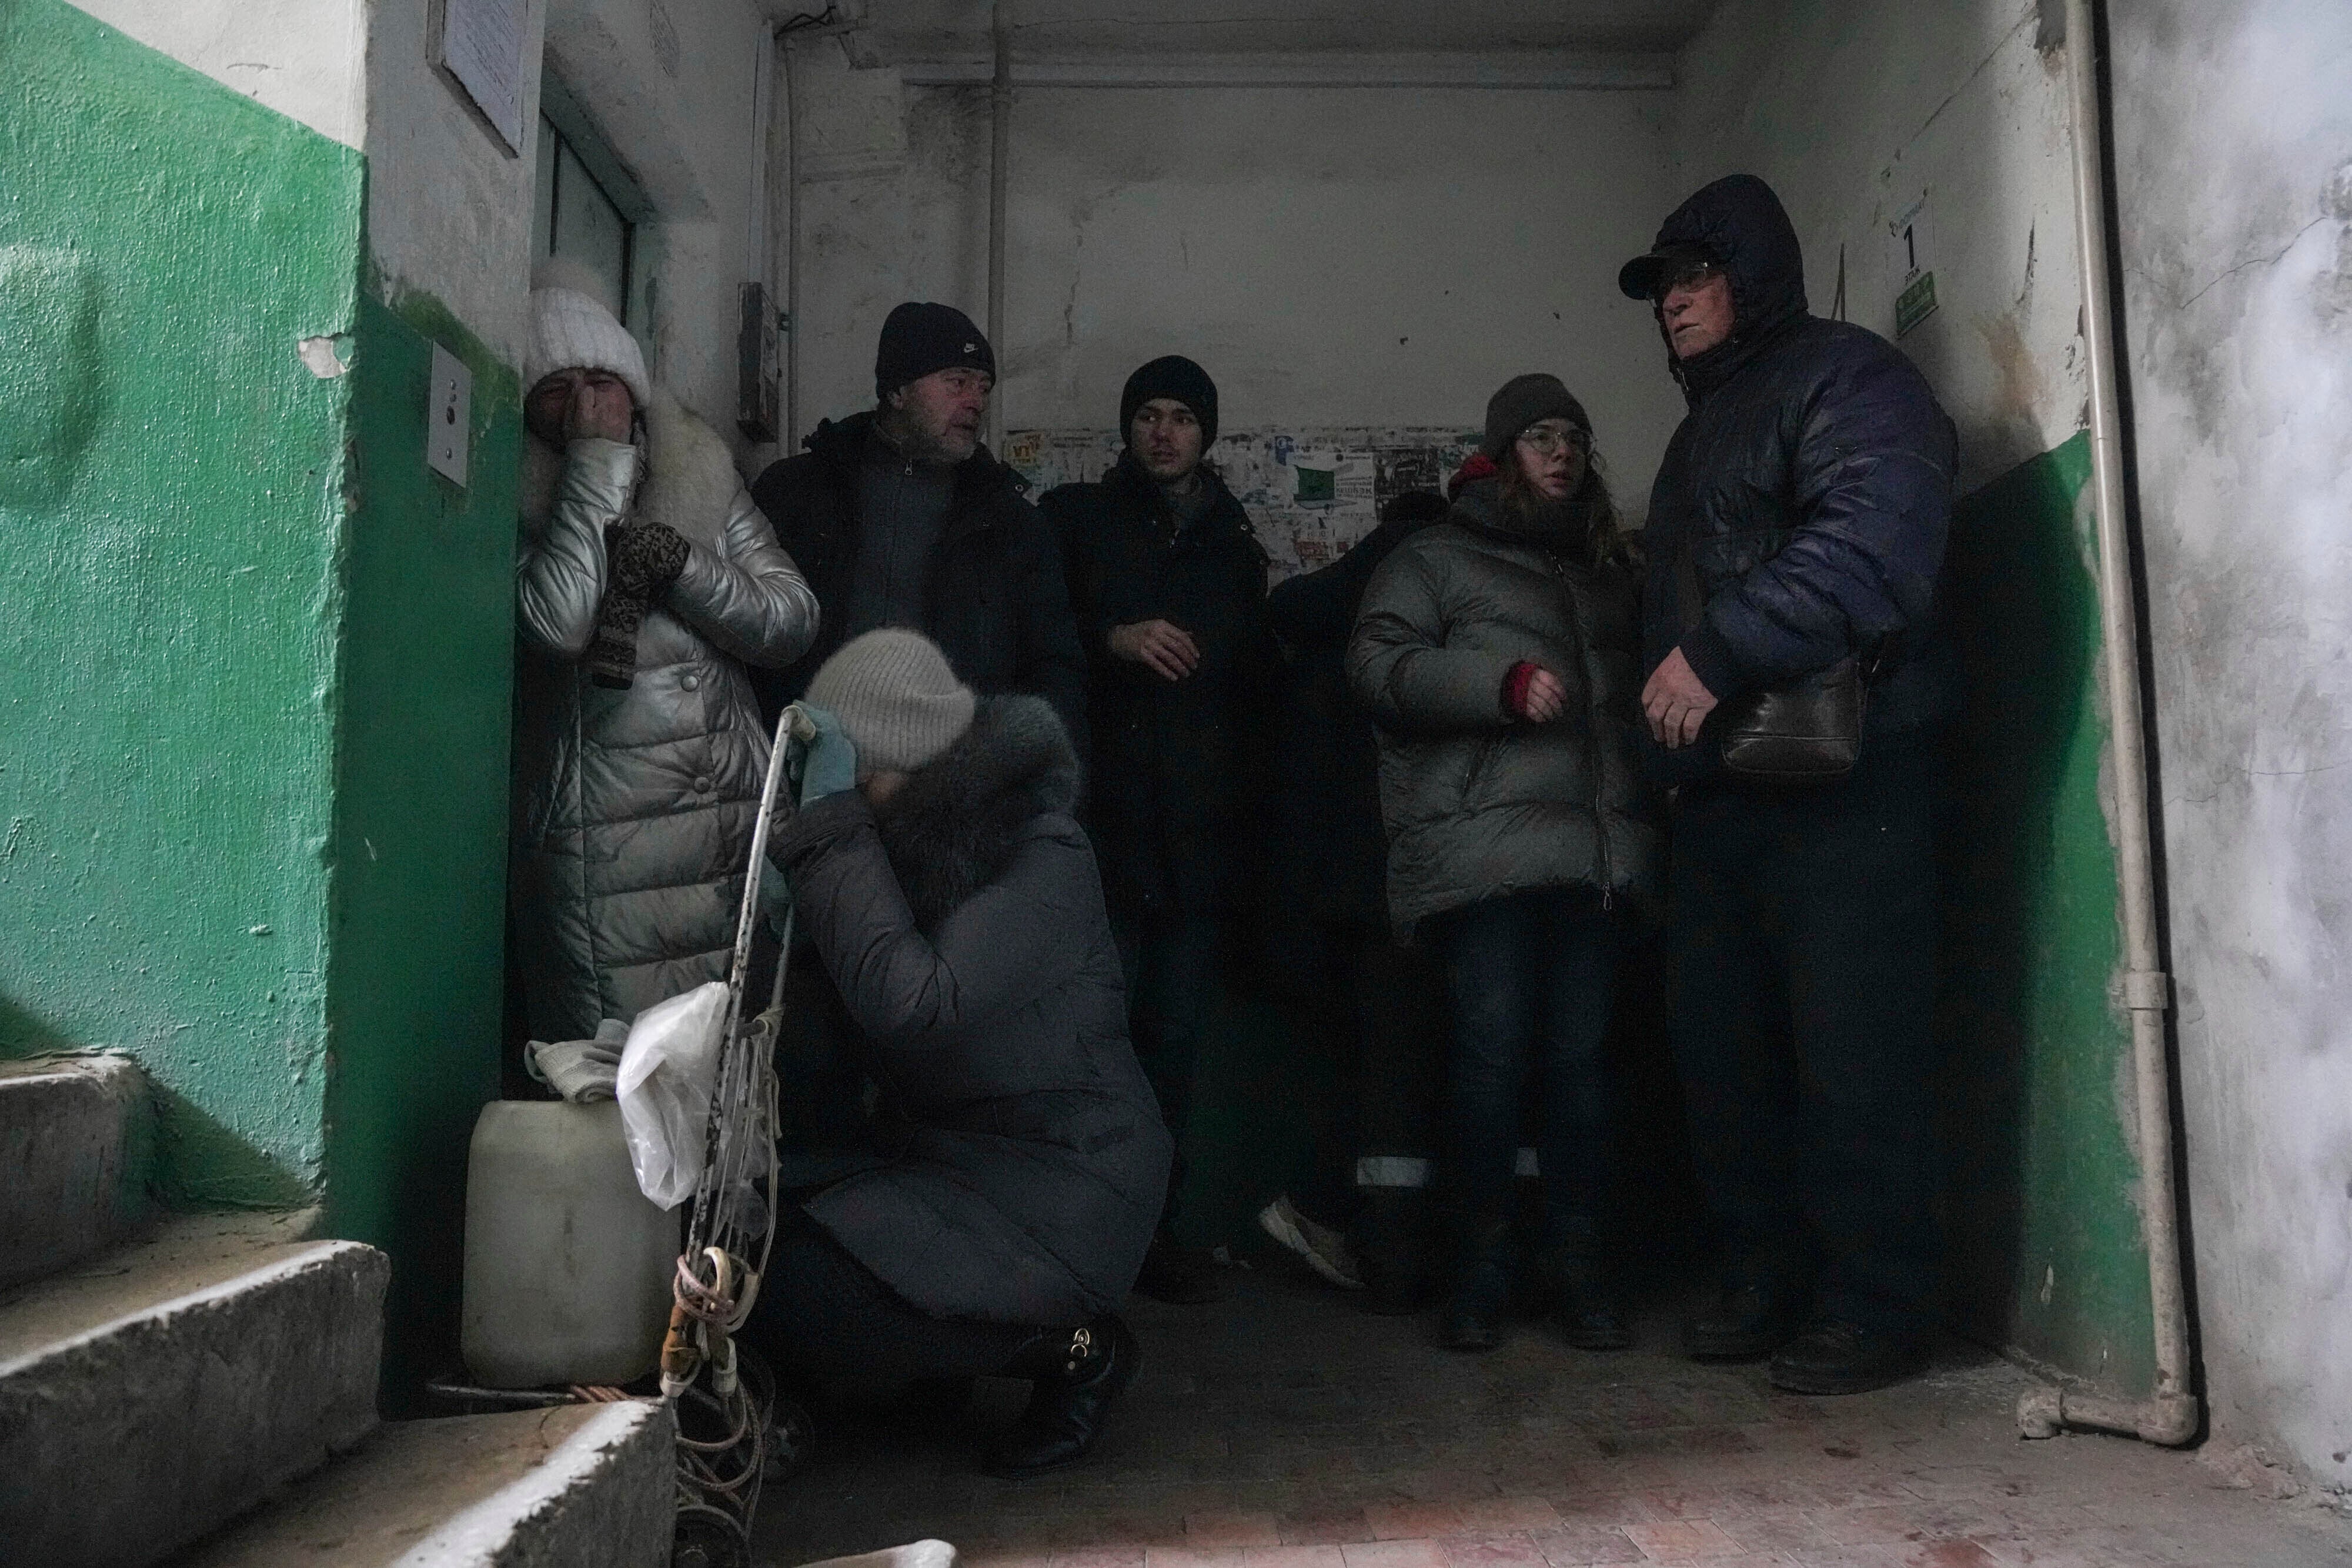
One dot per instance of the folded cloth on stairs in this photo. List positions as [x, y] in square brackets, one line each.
[580, 1070]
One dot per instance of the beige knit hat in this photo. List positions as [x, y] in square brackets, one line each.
[573, 327]
[896, 696]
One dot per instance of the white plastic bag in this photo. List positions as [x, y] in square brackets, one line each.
[668, 1072]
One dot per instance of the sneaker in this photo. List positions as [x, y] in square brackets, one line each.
[1324, 1249]
[1834, 1356]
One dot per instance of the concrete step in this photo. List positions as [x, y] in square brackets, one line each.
[74, 1139]
[152, 1395]
[578, 1486]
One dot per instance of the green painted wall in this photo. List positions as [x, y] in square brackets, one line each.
[2047, 1257]
[414, 973]
[255, 658]
[172, 512]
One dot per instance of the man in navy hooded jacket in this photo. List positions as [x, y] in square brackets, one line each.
[1811, 485]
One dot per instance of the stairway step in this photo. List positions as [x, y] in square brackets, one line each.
[73, 1142]
[585, 1485]
[152, 1395]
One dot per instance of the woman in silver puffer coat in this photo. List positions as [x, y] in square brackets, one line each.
[645, 579]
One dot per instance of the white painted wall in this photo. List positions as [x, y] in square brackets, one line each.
[1854, 110]
[2233, 155]
[1340, 257]
[301, 58]
[449, 205]
[669, 83]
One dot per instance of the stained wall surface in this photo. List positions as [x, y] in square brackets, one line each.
[259, 663]
[670, 86]
[1335, 257]
[1949, 122]
[2233, 171]
[173, 487]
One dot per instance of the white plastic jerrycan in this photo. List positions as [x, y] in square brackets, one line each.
[568, 1265]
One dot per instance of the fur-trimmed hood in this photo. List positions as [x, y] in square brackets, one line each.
[957, 822]
[690, 479]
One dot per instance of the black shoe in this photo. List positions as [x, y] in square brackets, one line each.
[1077, 1373]
[1748, 1318]
[1394, 1288]
[1178, 1275]
[1392, 1246]
[1473, 1320]
[1834, 1356]
[1581, 1292]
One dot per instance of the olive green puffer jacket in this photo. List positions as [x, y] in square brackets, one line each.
[1477, 803]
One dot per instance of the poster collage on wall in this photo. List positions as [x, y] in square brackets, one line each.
[1309, 493]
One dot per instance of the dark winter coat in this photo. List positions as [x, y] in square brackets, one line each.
[1171, 758]
[1329, 857]
[964, 927]
[1811, 479]
[1479, 804]
[998, 607]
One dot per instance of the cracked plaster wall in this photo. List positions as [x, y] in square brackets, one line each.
[2234, 162]
[1340, 257]
[1863, 116]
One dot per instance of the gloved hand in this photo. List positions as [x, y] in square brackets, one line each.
[828, 765]
[646, 557]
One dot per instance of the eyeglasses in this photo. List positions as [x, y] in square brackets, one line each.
[1684, 275]
[1552, 442]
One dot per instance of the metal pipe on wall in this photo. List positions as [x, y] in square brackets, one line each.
[1000, 153]
[2171, 1414]
[791, 435]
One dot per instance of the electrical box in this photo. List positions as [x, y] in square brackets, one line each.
[449, 416]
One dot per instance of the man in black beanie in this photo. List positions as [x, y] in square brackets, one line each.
[901, 518]
[1168, 583]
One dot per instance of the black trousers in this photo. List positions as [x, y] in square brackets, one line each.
[1171, 959]
[1801, 953]
[1533, 978]
[1367, 1018]
[832, 1329]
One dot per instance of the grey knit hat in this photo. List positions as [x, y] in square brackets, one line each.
[1523, 401]
[896, 696]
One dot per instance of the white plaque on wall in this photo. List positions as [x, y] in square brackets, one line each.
[481, 49]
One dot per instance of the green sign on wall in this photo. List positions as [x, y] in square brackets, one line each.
[1916, 303]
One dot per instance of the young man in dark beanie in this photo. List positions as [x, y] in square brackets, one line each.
[1168, 584]
[901, 518]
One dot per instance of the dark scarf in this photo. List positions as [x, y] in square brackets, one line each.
[954, 826]
[1583, 527]
[640, 559]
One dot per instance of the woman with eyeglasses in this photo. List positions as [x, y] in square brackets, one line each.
[1499, 651]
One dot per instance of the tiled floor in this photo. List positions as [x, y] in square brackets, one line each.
[1283, 1430]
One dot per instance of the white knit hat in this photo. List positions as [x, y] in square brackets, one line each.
[893, 691]
[572, 327]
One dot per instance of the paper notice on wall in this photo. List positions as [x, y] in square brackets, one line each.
[1310, 494]
[481, 47]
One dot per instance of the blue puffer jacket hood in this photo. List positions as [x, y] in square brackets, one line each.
[1811, 485]
[1739, 222]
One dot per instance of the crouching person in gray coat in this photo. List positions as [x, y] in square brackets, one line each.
[1020, 1160]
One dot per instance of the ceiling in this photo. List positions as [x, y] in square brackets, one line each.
[901, 30]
